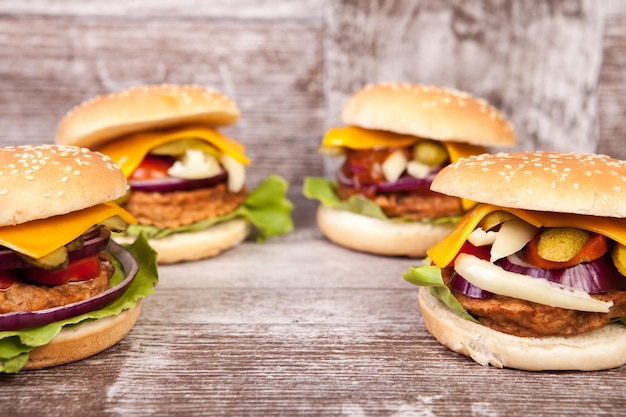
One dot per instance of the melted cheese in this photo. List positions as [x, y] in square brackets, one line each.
[131, 150]
[40, 237]
[358, 138]
[444, 252]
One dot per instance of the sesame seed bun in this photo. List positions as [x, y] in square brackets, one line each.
[558, 182]
[84, 340]
[107, 117]
[428, 112]
[41, 181]
[592, 351]
[379, 236]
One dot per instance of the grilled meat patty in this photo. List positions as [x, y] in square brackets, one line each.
[180, 208]
[28, 296]
[529, 319]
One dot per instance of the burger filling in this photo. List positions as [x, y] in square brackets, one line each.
[397, 183]
[27, 295]
[183, 182]
[388, 175]
[81, 272]
[526, 274]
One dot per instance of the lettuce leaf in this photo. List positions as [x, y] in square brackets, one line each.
[266, 208]
[325, 191]
[16, 345]
[430, 276]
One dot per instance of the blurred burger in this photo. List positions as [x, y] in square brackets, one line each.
[187, 180]
[66, 290]
[398, 136]
[533, 277]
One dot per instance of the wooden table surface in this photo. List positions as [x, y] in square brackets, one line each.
[295, 326]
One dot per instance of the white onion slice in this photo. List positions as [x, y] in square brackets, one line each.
[492, 278]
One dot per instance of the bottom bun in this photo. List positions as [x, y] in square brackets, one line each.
[83, 340]
[379, 236]
[191, 246]
[592, 351]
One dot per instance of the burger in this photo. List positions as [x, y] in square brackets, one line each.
[67, 291]
[534, 276]
[396, 137]
[187, 179]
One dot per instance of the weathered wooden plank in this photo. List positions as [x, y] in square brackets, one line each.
[537, 61]
[50, 65]
[613, 89]
[189, 9]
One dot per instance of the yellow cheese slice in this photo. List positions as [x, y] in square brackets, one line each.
[128, 152]
[457, 151]
[40, 237]
[357, 138]
[444, 252]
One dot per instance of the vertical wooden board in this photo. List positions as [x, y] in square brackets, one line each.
[613, 89]
[50, 65]
[189, 9]
[538, 61]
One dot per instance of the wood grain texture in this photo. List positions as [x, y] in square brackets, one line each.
[539, 62]
[612, 115]
[298, 326]
[68, 61]
[295, 326]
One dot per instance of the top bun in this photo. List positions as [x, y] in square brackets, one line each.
[548, 181]
[105, 118]
[41, 181]
[428, 112]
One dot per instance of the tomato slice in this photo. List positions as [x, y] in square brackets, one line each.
[7, 278]
[595, 247]
[82, 269]
[481, 252]
[152, 168]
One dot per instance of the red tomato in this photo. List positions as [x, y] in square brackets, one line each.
[82, 269]
[7, 278]
[152, 167]
[481, 252]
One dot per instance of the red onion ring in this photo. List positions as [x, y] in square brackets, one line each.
[404, 183]
[463, 286]
[170, 184]
[598, 276]
[26, 319]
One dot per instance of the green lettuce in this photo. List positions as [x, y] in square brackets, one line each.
[430, 276]
[15, 346]
[266, 208]
[325, 191]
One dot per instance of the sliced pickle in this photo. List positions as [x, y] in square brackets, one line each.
[494, 219]
[57, 259]
[430, 152]
[560, 244]
[178, 148]
[115, 223]
[75, 244]
[618, 254]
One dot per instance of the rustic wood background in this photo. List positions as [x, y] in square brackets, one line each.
[557, 68]
[298, 326]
